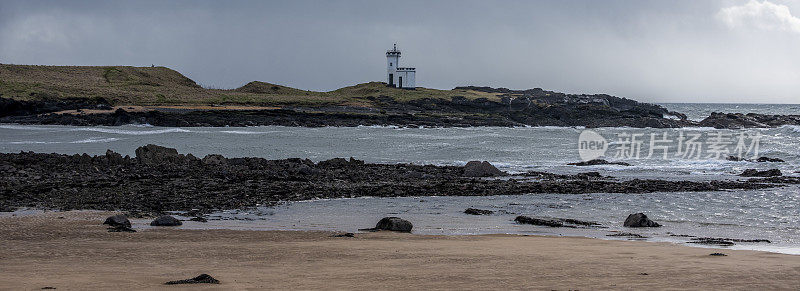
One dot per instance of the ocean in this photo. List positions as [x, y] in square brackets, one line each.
[772, 214]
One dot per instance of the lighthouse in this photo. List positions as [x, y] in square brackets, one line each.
[397, 76]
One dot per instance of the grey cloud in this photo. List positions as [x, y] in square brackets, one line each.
[660, 51]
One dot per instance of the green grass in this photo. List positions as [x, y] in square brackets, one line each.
[125, 85]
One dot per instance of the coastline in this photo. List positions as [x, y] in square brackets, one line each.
[72, 250]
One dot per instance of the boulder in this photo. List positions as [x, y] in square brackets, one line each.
[639, 220]
[481, 169]
[393, 224]
[117, 221]
[475, 211]
[202, 279]
[153, 154]
[166, 220]
[757, 173]
[596, 162]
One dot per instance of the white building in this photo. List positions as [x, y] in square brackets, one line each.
[397, 76]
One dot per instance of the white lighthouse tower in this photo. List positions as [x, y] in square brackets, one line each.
[398, 76]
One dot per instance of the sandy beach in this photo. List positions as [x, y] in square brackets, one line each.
[72, 251]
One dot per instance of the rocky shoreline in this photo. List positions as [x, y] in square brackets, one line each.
[160, 179]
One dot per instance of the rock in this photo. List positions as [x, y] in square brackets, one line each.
[711, 241]
[639, 220]
[166, 220]
[349, 234]
[627, 234]
[117, 221]
[113, 157]
[393, 224]
[203, 278]
[554, 222]
[596, 162]
[759, 160]
[537, 221]
[757, 173]
[475, 211]
[481, 169]
[153, 154]
[769, 160]
[718, 255]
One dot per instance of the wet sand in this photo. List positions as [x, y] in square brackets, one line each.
[72, 250]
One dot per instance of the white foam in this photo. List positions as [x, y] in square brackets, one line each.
[132, 132]
[96, 140]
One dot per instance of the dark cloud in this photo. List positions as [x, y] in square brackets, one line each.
[648, 50]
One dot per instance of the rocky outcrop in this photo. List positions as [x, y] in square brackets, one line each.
[639, 220]
[765, 173]
[166, 220]
[554, 222]
[758, 160]
[202, 279]
[392, 224]
[475, 211]
[750, 120]
[106, 182]
[597, 162]
[481, 169]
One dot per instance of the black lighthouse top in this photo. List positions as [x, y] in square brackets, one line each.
[393, 52]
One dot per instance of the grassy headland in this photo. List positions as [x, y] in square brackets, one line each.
[125, 85]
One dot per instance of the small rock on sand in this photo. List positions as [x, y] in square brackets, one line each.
[393, 224]
[166, 220]
[475, 211]
[639, 220]
[117, 221]
[203, 278]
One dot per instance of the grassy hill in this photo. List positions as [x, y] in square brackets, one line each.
[125, 85]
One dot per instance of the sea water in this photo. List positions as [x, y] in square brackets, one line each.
[765, 214]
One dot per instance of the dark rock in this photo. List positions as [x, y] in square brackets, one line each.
[596, 162]
[481, 169]
[166, 220]
[639, 220]
[48, 288]
[718, 255]
[153, 154]
[725, 241]
[538, 221]
[393, 224]
[554, 222]
[627, 234]
[203, 278]
[580, 222]
[349, 234]
[769, 160]
[750, 120]
[711, 241]
[118, 220]
[475, 211]
[757, 173]
[759, 160]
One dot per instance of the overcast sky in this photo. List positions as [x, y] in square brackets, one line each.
[656, 51]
